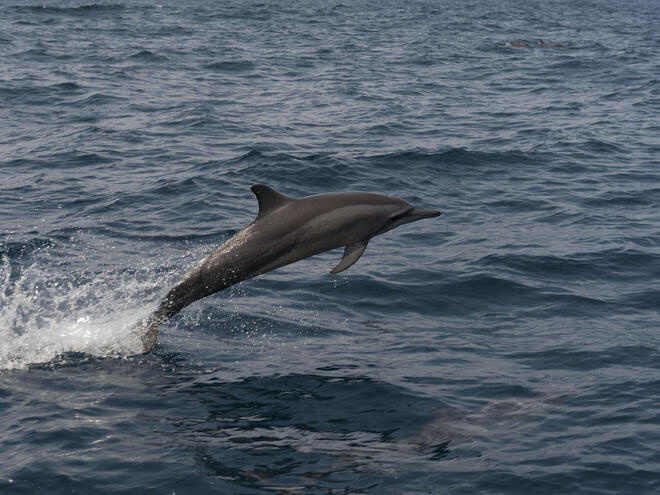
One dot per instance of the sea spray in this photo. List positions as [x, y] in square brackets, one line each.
[46, 312]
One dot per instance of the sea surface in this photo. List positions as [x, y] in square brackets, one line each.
[510, 346]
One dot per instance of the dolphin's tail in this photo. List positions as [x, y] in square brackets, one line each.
[175, 301]
[149, 329]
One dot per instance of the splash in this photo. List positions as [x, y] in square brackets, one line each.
[48, 312]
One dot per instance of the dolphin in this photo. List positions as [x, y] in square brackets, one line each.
[551, 44]
[286, 230]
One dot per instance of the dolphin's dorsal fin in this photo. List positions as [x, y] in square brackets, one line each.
[269, 199]
[352, 253]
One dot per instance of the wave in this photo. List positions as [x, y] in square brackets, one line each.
[641, 197]
[66, 86]
[231, 65]
[460, 156]
[82, 9]
[630, 356]
[337, 171]
[23, 249]
[65, 159]
[297, 172]
[97, 99]
[40, 95]
[616, 264]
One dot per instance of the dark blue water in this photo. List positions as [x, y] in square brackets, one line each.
[510, 346]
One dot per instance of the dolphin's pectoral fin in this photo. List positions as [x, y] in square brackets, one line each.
[352, 253]
[268, 198]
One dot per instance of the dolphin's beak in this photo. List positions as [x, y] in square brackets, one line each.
[414, 215]
[411, 215]
[419, 214]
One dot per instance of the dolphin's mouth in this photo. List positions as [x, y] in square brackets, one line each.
[412, 215]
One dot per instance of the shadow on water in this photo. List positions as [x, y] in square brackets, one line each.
[305, 432]
[299, 432]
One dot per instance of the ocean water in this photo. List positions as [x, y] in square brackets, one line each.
[510, 346]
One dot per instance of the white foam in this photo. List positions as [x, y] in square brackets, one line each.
[46, 311]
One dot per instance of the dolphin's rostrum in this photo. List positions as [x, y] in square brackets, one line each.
[286, 230]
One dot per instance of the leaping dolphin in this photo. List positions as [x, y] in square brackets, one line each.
[286, 230]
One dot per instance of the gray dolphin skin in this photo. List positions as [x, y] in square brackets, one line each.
[286, 230]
